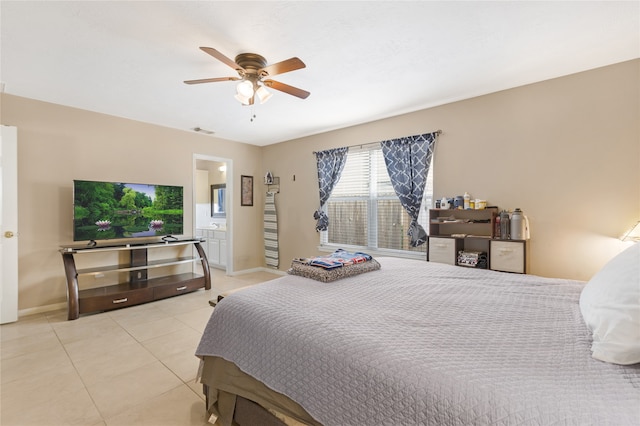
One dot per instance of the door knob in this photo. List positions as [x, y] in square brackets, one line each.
[8, 234]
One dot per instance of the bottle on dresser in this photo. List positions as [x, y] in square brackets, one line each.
[519, 225]
[505, 225]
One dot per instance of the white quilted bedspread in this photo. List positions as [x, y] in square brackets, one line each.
[420, 343]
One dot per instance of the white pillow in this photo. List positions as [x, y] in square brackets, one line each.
[610, 306]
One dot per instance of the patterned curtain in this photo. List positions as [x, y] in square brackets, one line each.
[330, 165]
[408, 161]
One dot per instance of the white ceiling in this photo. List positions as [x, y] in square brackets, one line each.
[365, 60]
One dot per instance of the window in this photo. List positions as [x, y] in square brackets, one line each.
[364, 211]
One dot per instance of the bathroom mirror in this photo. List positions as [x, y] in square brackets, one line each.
[218, 200]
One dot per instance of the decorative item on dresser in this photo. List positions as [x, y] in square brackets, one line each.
[138, 287]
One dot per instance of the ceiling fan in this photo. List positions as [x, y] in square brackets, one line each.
[252, 72]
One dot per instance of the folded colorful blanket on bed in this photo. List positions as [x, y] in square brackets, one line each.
[337, 259]
[355, 257]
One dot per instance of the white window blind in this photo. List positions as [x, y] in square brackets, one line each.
[364, 211]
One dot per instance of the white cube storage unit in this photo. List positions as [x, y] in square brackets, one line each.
[444, 250]
[452, 231]
[508, 255]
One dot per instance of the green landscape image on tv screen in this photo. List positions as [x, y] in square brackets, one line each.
[108, 210]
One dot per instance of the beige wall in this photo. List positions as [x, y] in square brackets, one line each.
[566, 151]
[208, 173]
[57, 144]
[202, 186]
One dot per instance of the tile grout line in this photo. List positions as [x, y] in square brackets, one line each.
[84, 384]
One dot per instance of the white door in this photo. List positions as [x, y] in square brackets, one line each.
[8, 224]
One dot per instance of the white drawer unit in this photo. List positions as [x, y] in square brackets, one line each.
[508, 256]
[215, 245]
[217, 242]
[443, 250]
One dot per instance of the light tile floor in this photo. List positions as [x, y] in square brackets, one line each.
[132, 366]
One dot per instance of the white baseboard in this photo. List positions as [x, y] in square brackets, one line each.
[261, 269]
[42, 309]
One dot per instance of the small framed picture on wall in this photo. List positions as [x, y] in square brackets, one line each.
[246, 188]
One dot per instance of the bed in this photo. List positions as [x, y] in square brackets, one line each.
[417, 343]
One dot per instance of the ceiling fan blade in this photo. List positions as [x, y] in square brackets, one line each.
[303, 94]
[291, 64]
[211, 80]
[222, 58]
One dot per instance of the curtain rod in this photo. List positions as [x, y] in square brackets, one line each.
[437, 132]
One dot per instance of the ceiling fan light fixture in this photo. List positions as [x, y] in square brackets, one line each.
[244, 100]
[245, 88]
[251, 69]
[263, 94]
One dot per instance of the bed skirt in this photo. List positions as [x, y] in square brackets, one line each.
[225, 385]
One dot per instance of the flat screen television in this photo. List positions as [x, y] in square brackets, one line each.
[110, 210]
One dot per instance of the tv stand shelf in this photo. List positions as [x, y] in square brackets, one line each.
[126, 267]
[138, 288]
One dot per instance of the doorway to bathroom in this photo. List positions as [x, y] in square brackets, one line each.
[212, 208]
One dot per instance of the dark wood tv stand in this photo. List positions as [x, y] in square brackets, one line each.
[132, 286]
